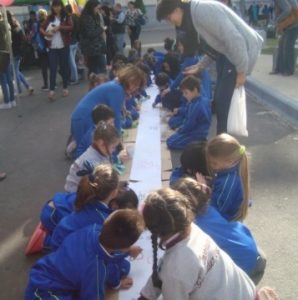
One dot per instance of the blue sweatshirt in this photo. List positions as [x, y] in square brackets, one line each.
[178, 119]
[187, 62]
[232, 237]
[227, 192]
[80, 269]
[110, 93]
[95, 213]
[198, 119]
[64, 205]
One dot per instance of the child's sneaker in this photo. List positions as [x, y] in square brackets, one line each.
[70, 149]
[13, 103]
[30, 91]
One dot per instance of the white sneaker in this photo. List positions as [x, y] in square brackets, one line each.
[13, 103]
[5, 106]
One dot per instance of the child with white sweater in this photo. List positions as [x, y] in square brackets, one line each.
[193, 267]
[105, 140]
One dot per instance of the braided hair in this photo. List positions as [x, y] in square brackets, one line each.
[165, 213]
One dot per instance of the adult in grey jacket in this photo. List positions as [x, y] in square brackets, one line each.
[223, 36]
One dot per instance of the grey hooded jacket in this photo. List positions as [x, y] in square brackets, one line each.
[227, 33]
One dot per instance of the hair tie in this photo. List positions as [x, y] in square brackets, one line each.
[87, 170]
[242, 150]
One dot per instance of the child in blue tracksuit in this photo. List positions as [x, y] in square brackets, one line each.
[92, 202]
[198, 118]
[88, 261]
[227, 160]
[132, 106]
[100, 113]
[130, 79]
[232, 237]
[63, 204]
[127, 120]
[193, 161]
[162, 81]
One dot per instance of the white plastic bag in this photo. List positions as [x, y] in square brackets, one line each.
[237, 118]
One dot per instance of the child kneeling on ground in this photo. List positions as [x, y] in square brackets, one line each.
[86, 262]
[197, 119]
[233, 237]
[105, 140]
[193, 266]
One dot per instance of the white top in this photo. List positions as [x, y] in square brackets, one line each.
[57, 41]
[196, 269]
[90, 155]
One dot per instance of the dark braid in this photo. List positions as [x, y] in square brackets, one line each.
[155, 278]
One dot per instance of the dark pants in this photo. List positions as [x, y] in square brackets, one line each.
[225, 86]
[59, 57]
[44, 65]
[134, 35]
[286, 63]
[96, 64]
[290, 57]
[257, 273]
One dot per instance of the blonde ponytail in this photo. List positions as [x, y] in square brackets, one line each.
[244, 173]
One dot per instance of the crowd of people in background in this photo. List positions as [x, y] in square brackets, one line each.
[260, 12]
[89, 230]
[64, 43]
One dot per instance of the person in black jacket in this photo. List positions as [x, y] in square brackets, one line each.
[92, 40]
[18, 38]
[111, 47]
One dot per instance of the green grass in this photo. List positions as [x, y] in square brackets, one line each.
[270, 45]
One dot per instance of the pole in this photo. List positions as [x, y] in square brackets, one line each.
[17, 96]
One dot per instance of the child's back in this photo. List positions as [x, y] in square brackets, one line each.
[227, 192]
[80, 268]
[88, 260]
[92, 156]
[205, 272]
[232, 237]
[61, 205]
[94, 213]
[110, 93]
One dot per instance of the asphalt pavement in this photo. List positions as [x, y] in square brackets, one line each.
[32, 143]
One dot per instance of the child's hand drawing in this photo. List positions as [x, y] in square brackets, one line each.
[126, 283]
[135, 251]
[123, 155]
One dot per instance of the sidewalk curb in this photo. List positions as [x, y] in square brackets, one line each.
[286, 107]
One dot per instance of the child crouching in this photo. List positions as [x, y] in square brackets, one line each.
[197, 119]
[85, 264]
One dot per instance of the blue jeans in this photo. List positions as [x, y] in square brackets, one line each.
[120, 42]
[72, 62]
[7, 85]
[58, 56]
[20, 77]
